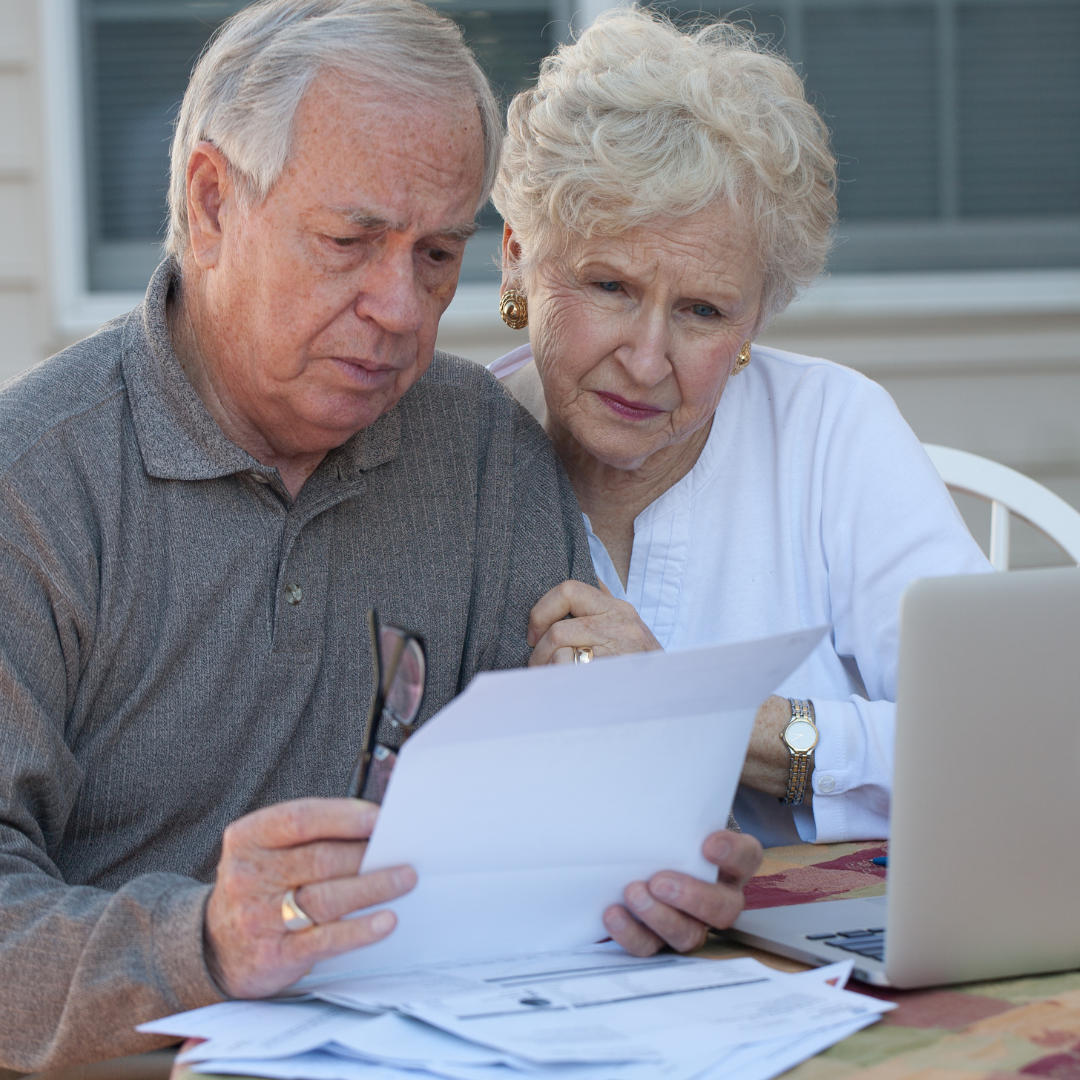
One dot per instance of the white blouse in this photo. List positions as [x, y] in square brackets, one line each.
[812, 502]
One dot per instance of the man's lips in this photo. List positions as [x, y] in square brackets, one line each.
[629, 410]
[366, 373]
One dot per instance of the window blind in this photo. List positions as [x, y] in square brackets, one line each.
[956, 122]
[956, 125]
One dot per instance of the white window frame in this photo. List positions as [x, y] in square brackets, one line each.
[77, 310]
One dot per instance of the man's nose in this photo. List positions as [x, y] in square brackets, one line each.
[391, 294]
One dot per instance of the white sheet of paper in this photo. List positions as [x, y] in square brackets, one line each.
[537, 795]
[259, 1028]
[395, 989]
[315, 1065]
[663, 1025]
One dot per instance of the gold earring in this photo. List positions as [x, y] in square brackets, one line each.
[514, 309]
[743, 358]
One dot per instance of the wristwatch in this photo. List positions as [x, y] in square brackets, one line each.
[800, 737]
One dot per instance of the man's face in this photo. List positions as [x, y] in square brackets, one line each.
[325, 299]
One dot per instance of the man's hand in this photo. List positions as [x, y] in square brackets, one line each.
[608, 626]
[313, 846]
[678, 910]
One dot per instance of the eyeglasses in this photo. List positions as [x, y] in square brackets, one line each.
[400, 661]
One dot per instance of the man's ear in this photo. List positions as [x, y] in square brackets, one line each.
[511, 252]
[209, 192]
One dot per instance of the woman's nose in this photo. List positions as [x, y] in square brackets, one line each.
[644, 353]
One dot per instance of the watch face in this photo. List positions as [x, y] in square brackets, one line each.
[801, 736]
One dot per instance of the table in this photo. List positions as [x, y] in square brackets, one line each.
[1005, 1030]
[1012, 1028]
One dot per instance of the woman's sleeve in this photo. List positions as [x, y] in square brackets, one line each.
[886, 518]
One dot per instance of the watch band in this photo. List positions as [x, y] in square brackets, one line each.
[799, 769]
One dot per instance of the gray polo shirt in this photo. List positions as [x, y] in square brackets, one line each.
[181, 643]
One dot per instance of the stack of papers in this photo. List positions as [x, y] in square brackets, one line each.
[585, 1014]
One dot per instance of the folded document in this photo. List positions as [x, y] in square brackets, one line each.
[534, 798]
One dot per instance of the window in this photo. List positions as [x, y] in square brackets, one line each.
[956, 124]
[136, 57]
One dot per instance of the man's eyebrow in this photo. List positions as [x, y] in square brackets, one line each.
[364, 219]
[460, 232]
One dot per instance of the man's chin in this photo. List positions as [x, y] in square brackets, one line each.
[341, 416]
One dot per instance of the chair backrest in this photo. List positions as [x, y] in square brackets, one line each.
[1009, 492]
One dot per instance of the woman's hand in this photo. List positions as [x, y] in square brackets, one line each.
[597, 620]
[678, 910]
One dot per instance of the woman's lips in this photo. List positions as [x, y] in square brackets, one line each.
[629, 410]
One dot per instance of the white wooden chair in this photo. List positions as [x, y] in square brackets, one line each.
[1009, 492]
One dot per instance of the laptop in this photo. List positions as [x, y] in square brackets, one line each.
[984, 857]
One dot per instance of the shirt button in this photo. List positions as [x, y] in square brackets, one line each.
[259, 478]
[294, 594]
[826, 783]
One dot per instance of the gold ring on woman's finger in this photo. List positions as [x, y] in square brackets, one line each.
[583, 655]
[293, 915]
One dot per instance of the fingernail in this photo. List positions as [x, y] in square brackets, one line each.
[382, 922]
[721, 849]
[664, 888]
[403, 878]
[368, 813]
[639, 898]
[615, 919]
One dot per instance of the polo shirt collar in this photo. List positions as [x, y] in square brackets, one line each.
[178, 439]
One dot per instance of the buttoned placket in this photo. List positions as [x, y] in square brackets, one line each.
[304, 564]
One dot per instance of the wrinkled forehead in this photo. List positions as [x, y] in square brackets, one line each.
[725, 224]
[354, 135]
[371, 111]
[717, 240]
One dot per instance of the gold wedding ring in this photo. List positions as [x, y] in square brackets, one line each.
[293, 915]
[583, 655]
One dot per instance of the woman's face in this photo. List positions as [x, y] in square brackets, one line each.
[634, 338]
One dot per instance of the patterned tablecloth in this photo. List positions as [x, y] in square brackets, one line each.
[981, 1031]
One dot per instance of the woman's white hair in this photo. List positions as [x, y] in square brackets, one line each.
[638, 121]
[248, 83]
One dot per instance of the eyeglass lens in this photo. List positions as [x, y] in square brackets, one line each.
[404, 669]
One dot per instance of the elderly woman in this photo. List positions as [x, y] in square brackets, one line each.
[665, 194]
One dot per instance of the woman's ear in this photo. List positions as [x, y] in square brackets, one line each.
[511, 254]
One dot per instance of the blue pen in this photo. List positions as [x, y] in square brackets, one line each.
[881, 860]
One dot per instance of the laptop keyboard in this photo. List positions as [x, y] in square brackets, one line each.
[864, 942]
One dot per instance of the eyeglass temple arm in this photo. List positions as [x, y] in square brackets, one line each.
[363, 759]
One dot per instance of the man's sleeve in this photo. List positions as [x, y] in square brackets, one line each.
[81, 966]
[540, 544]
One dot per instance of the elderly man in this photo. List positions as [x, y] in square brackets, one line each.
[199, 503]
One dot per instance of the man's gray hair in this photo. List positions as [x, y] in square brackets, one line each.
[248, 83]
